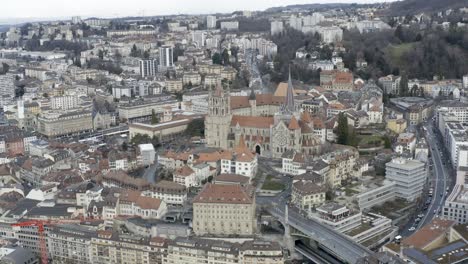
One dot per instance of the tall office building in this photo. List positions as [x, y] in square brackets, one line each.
[409, 176]
[276, 27]
[148, 68]
[166, 57]
[211, 22]
[295, 22]
[76, 20]
[198, 37]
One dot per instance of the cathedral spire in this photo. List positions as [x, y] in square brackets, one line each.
[289, 102]
[252, 95]
[218, 89]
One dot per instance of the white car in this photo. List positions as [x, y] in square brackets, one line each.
[412, 229]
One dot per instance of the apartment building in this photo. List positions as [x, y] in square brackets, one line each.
[170, 192]
[64, 102]
[148, 68]
[307, 195]
[240, 161]
[197, 250]
[110, 247]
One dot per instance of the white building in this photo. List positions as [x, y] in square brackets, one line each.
[211, 22]
[7, 89]
[376, 195]
[337, 216]
[166, 57]
[276, 27]
[293, 163]
[241, 161]
[405, 142]
[313, 19]
[409, 176]
[64, 102]
[331, 34]
[148, 68]
[198, 37]
[170, 192]
[456, 204]
[147, 154]
[230, 25]
[465, 81]
[295, 22]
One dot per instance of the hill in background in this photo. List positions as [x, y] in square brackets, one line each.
[412, 7]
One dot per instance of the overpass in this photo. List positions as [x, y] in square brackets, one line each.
[336, 244]
[103, 133]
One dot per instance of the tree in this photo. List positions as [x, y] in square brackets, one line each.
[101, 54]
[399, 33]
[196, 128]
[342, 129]
[154, 118]
[387, 142]
[135, 52]
[145, 139]
[403, 85]
[217, 59]
[225, 57]
[45, 95]
[5, 68]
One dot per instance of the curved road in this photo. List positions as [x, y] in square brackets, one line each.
[440, 182]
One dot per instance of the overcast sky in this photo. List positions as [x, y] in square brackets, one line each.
[113, 8]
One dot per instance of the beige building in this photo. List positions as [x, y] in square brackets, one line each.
[56, 124]
[173, 86]
[342, 165]
[196, 250]
[396, 125]
[192, 78]
[110, 248]
[307, 195]
[223, 210]
[163, 131]
[142, 109]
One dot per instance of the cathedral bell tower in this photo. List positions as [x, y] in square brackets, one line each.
[218, 121]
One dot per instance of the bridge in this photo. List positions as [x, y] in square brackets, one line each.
[336, 244]
[103, 133]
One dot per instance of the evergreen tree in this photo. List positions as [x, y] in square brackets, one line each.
[101, 54]
[217, 59]
[404, 85]
[154, 118]
[225, 57]
[343, 129]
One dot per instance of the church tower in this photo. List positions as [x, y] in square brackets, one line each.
[253, 102]
[218, 121]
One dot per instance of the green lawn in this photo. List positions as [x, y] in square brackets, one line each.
[271, 185]
[396, 52]
[370, 141]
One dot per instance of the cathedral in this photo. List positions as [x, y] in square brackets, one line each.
[269, 124]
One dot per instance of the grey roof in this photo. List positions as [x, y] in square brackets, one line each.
[20, 256]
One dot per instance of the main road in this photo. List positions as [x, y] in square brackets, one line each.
[341, 246]
[442, 179]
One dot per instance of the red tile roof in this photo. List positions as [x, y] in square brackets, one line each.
[229, 194]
